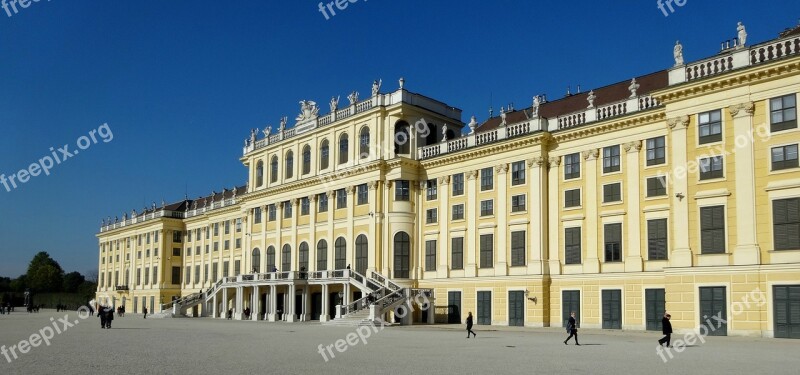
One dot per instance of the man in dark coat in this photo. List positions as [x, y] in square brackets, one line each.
[666, 329]
[101, 314]
[572, 328]
[109, 317]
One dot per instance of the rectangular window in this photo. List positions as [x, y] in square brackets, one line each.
[656, 151]
[216, 246]
[238, 225]
[238, 243]
[784, 157]
[711, 168]
[611, 159]
[155, 275]
[287, 210]
[432, 190]
[613, 242]
[487, 250]
[656, 186]
[517, 173]
[323, 202]
[402, 190]
[783, 113]
[710, 126]
[216, 229]
[147, 238]
[188, 275]
[208, 230]
[207, 248]
[457, 253]
[657, 239]
[147, 276]
[786, 223]
[197, 250]
[487, 179]
[272, 212]
[226, 268]
[431, 216]
[341, 199]
[458, 212]
[458, 184]
[227, 245]
[138, 276]
[189, 236]
[176, 275]
[572, 245]
[205, 273]
[518, 248]
[227, 227]
[572, 166]
[612, 192]
[487, 207]
[214, 269]
[305, 206]
[518, 203]
[712, 230]
[430, 255]
[572, 198]
[237, 267]
[257, 215]
[177, 236]
[176, 251]
[362, 192]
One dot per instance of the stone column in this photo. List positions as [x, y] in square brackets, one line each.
[312, 233]
[272, 309]
[289, 306]
[351, 240]
[443, 193]
[373, 261]
[471, 210]
[239, 303]
[279, 236]
[747, 251]
[555, 203]
[537, 207]
[388, 239]
[214, 306]
[255, 305]
[324, 316]
[633, 256]
[294, 255]
[591, 264]
[501, 213]
[224, 303]
[681, 255]
[331, 241]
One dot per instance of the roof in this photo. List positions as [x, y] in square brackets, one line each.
[604, 95]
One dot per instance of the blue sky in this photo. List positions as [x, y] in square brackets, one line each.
[180, 83]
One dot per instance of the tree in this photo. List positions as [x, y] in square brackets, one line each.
[72, 281]
[44, 274]
[5, 284]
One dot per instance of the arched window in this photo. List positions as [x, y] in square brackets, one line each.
[322, 255]
[259, 173]
[432, 134]
[402, 255]
[286, 258]
[273, 166]
[324, 154]
[256, 260]
[270, 259]
[289, 164]
[302, 254]
[363, 143]
[402, 143]
[340, 254]
[306, 159]
[362, 257]
[343, 147]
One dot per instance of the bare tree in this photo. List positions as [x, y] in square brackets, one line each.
[91, 276]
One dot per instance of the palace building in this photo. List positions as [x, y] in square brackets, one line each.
[674, 191]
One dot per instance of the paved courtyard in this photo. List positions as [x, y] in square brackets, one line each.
[201, 345]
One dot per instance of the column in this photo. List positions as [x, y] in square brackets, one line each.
[373, 262]
[388, 238]
[471, 207]
[255, 305]
[591, 264]
[443, 194]
[633, 182]
[293, 242]
[239, 303]
[351, 240]
[312, 232]
[214, 306]
[279, 236]
[324, 317]
[747, 251]
[553, 220]
[681, 255]
[289, 306]
[501, 212]
[331, 209]
[224, 314]
[537, 207]
[272, 309]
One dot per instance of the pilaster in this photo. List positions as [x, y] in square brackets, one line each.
[591, 264]
[633, 256]
[747, 251]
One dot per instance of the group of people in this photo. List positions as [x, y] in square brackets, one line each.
[106, 314]
[61, 307]
[121, 311]
[572, 329]
[6, 309]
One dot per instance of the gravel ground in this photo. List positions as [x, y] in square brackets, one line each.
[201, 345]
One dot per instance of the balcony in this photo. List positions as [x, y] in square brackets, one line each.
[122, 288]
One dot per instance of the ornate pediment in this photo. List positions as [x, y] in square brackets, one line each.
[308, 111]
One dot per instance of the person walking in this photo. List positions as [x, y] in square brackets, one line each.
[666, 329]
[102, 317]
[572, 328]
[469, 325]
[145, 312]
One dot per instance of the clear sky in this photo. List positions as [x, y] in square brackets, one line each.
[180, 83]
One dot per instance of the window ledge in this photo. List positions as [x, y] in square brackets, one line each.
[712, 194]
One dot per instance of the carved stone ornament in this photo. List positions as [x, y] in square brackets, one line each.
[312, 198]
[591, 154]
[331, 194]
[444, 180]
[502, 168]
[422, 185]
[350, 189]
[537, 162]
[372, 185]
[294, 201]
[555, 161]
[634, 146]
[747, 107]
[675, 121]
[471, 175]
[308, 111]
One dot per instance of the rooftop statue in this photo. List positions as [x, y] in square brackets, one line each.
[308, 110]
[677, 52]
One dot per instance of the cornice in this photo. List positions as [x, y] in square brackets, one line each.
[491, 149]
[605, 126]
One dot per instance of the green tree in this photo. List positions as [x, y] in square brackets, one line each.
[72, 281]
[44, 274]
[5, 284]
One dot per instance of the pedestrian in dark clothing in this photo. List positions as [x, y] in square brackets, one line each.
[145, 312]
[469, 325]
[109, 317]
[102, 315]
[666, 329]
[572, 328]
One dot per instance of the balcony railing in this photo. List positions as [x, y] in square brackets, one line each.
[122, 288]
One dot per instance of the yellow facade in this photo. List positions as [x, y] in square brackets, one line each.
[548, 209]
